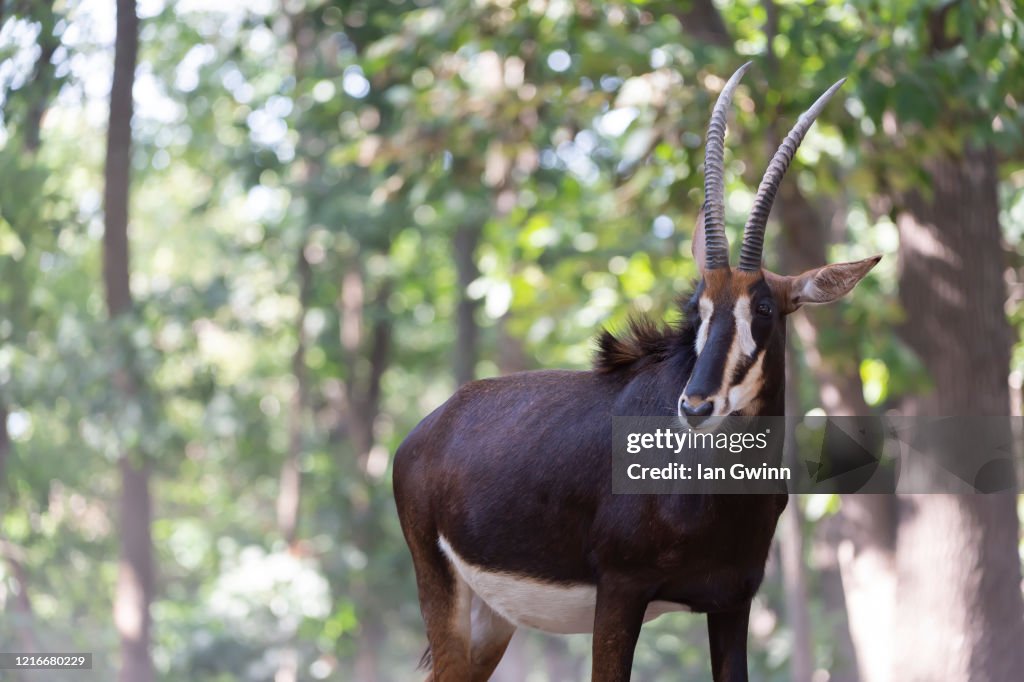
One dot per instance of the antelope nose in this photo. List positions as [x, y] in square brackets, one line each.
[695, 414]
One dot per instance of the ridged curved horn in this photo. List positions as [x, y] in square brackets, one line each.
[716, 244]
[753, 233]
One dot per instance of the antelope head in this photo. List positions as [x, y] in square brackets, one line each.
[740, 313]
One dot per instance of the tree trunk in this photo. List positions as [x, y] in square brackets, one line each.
[379, 356]
[5, 446]
[20, 604]
[135, 574]
[512, 356]
[367, 358]
[791, 549]
[116, 264]
[864, 552]
[961, 615]
[351, 304]
[41, 92]
[372, 641]
[289, 492]
[467, 334]
[289, 489]
[513, 666]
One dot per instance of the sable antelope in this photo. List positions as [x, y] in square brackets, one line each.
[504, 492]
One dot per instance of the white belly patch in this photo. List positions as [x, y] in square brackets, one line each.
[562, 609]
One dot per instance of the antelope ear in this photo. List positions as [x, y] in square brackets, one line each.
[698, 242]
[821, 285]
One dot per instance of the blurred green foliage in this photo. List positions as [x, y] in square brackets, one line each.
[364, 135]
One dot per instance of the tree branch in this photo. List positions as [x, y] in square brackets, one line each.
[701, 19]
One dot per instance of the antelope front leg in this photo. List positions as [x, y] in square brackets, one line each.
[727, 632]
[617, 620]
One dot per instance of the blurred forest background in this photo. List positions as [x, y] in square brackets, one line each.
[337, 212]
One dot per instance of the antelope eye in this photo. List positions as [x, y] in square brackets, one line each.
[764, 309]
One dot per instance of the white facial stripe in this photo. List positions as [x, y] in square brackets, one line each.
[721, 399]
[735, 398]
[742, 315]
[706, 310]
[732, 398]
[742, 393]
